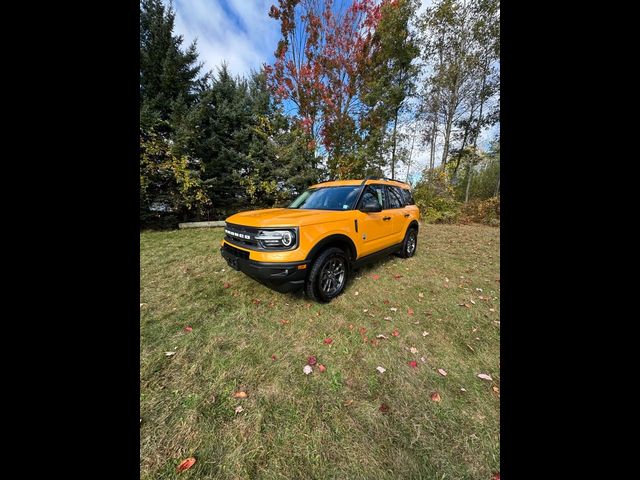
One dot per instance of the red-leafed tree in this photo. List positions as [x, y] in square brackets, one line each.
[318, 63]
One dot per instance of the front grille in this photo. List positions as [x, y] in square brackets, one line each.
[241, 233]
[235, 251]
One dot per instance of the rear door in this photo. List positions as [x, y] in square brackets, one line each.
[375, 231]
[396, 211]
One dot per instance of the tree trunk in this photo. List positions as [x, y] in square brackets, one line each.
[466, 195]
[447, 137]
[434, 130]
[498, 186]
[393, 149]
[413, 139]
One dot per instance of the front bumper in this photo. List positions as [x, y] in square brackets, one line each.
[282, 277]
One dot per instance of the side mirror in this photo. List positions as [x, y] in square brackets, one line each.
[371, 206]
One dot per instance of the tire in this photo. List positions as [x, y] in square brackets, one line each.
[409, 244]
[328, 275]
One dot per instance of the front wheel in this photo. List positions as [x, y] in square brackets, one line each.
[410, 243]
[328, 275]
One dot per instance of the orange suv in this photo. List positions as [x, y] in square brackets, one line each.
[329, 230]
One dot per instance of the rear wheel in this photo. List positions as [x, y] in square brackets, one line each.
[410, 243]
[328, 275]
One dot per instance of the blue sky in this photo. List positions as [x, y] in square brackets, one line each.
[239, 32]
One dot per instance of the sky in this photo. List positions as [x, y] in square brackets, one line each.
[241, 33]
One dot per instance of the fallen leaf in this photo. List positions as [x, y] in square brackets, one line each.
[421, 295]
[495, 389]
[410, 311]
[375, 277]
[386, 302]
[462, 389]
[169, 354]
[312, 360]
[496, 476]
[322, 368]
[240, 395]
[397, 277]
[393, 309]
[470, 347]
[357, 293]
[381, 369]
[423, 360]
[365, 310]
[186, 464]
[384, 408]
[273, 357]
[307, 369]
[395, 333]
[417, 323]
[308, 305]
[413, 364]
[256, 301]
[374, 342]
[382, 336]
[388, 318]
[435, 396]
[479, 290]
[187, 329]
[472, 301]
[492, 309]
[142, 305]
[350, 327]
[484, 376]
[442, 372]
[413, 350]
[446, 279]
[328, 341]
[425, 333]
[284, 322]
[226, 285]
[239, 409]
[346, 403]
[363, 330]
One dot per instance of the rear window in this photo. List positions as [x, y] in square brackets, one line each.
[407, 196]
[396, 199]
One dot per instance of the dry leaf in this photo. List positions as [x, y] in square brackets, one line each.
[365, 310]
[435, 396]
[186, 464]
[382, 336]
[226, 285]
[472, 301]
[256, 301]
[397, 277]
[413, 364]
[492, 309]
[446, 279]
[240, 395]
[312, 360]
[479, 290]
[273, 357]
[413, 350]
[169, 354]
[410, 311]
[395, 333]
[357, 293]
[462, 389]
[346, 403]
[384, 408]
[423, 360]
[375, 276]
[307, 369]
[496, 476]
[393, 309]
[484, 376]
[328, 341]
[239, 409]
[425, 333]
[322, 368]
[142, 305]
[442, 372]
[386, 302]
[187, 329]
[381, 369]
[495, 389]
[284, 322]
[421, 295]
[470, 348]
[350, 327]
[388, 318]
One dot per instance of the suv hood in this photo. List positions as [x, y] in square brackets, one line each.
[286, 217]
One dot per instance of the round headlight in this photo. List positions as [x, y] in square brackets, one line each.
[286, 238]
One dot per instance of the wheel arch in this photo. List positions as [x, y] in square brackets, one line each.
[335, 240]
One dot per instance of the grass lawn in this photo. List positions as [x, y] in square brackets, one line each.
[324, 425]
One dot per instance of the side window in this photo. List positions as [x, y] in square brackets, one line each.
[395, 197]
[408, 198]
[379, 191]
[368, 196]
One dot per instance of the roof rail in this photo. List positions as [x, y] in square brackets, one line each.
[375, 177]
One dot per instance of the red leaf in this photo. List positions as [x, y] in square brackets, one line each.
[410, 311]
[397, 276]
[496, 476]
[395, 333]
[363, 330]
[312, 360]
[384, 408]
[328, 341]
[322, 368]
[375, 277]
[284, 322]
[386, 302]
[186, 464]
[413, 364]
[226, 285]
[435, 396]
[187, 329]
[273, 357]
[256, 301]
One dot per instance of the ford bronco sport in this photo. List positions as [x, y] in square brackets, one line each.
[329, 230]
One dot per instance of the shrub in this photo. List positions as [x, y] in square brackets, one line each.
[481, 211]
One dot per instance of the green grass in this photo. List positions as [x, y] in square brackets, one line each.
[324, 425]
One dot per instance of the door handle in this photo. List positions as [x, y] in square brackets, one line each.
[386, 218]
[406, 215]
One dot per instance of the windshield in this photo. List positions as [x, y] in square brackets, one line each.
[327, 198]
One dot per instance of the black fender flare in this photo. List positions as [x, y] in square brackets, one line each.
[337, 239]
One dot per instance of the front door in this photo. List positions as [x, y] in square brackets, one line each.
[375, 230]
